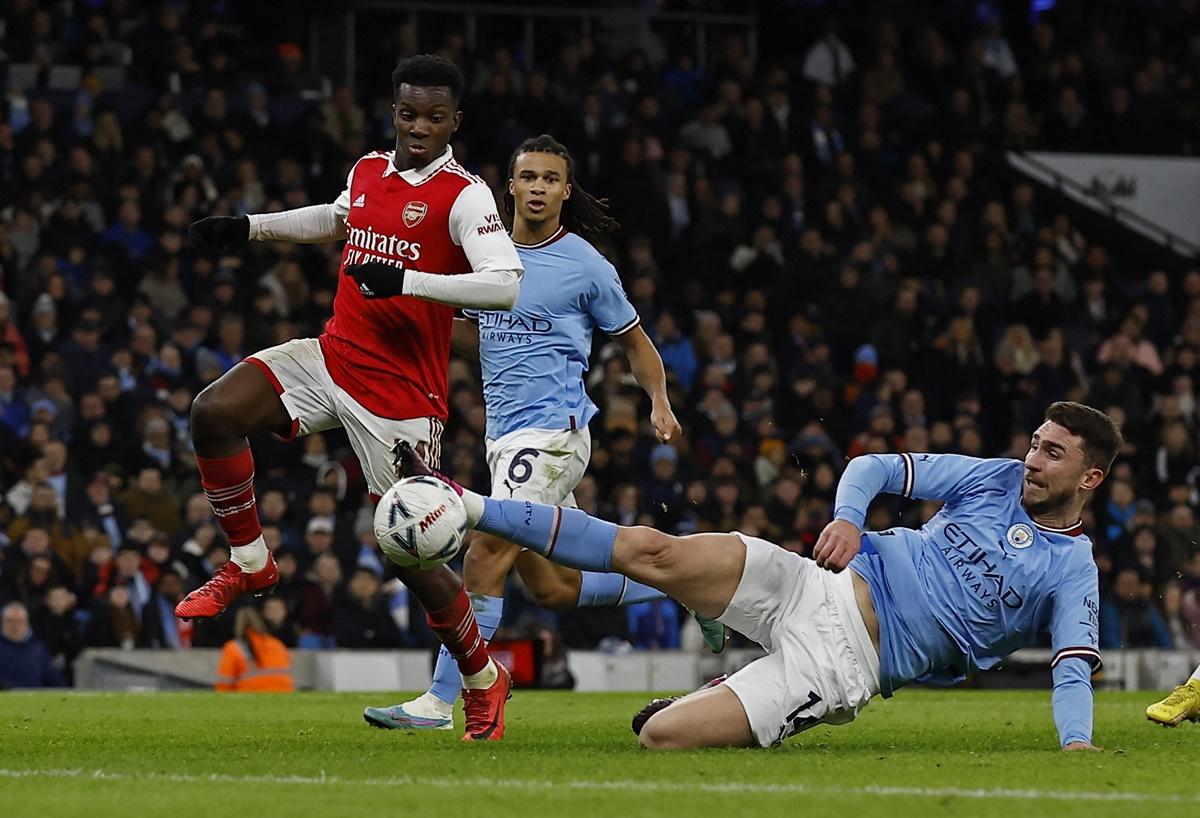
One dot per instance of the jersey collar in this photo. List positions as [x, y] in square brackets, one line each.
[1070, 531]
[414, 176]
[558, 234]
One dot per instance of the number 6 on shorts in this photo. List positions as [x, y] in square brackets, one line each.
[520, 469]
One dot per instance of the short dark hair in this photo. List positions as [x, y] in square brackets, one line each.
[1102, 438]
[429, 71]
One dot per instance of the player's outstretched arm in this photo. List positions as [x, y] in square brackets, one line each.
[927, 476]
[315, 224]
[648, 368]
[1072, 703]
[495, 278]
[1074, 636]
[481, 290]
[865, 477]
[219, 233]
[945, 477]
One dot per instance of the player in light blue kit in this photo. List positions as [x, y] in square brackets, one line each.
[533, 360]
[1004, 559]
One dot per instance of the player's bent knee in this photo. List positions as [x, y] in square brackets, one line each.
[557, 597]
[661, 734]
[486, 548]
[652, 738]
[652, 549]
[488, 555]
[212, 413]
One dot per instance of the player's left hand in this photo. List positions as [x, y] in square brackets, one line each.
[838, 544]
[376, 279]
[666, 427]
[1076, 746]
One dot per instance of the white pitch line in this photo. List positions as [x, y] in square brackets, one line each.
[731, 788]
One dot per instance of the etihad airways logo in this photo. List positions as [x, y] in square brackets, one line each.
[980, 575]
[512, 327]
[367, 241]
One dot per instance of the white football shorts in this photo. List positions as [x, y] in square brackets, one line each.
[821, 667]
[315, 403]
[542, 465]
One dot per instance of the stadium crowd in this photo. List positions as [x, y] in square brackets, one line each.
[826, 247]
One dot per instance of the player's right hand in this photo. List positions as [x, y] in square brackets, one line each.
[666, 427]
[219, 232]
[838, 544]
[376, 279]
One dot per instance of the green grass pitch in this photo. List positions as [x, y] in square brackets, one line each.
[923, 753]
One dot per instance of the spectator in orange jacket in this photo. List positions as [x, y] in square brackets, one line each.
[254, 660]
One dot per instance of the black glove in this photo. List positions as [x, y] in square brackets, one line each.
[219, 232]
[376, 279]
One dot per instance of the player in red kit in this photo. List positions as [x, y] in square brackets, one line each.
[422, 237]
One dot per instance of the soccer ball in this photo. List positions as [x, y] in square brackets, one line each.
[420, 522]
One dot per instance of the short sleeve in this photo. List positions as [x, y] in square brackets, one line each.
[609, 306]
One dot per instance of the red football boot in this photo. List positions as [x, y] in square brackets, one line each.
[484, 708]
[230, 582]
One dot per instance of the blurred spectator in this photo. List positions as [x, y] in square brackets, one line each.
[828, 61]
[160, 627]
[56, 623]
[278, 621]
[24, 660]
[1129, 619]
[254, 661]
[147, 498]
[654, 625]
[112, 620]
[315, 610]
[129, 569]
[362, 617]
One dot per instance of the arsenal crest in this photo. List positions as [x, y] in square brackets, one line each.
[413, 213]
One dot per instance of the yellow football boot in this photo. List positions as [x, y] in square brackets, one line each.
[1183, 703]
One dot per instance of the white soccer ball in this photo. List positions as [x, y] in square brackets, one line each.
[420, 522]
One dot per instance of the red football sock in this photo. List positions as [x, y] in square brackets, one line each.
[455, 626]
[229, 486]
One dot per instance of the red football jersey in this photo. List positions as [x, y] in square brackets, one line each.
[392, 354]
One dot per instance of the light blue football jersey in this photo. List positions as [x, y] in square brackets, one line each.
[977, 581]
[534, 356]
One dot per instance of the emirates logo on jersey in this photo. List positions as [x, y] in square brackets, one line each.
[413, 213]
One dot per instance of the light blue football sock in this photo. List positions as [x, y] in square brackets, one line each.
[564, 535]
[613, 589]
[447, 681]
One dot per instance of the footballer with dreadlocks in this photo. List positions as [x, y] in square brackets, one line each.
[533, 359]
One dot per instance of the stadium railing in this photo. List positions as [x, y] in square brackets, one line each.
[355, 670]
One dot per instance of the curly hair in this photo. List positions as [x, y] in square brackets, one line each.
[583, 213]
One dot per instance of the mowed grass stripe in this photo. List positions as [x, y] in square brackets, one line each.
[728, 788]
